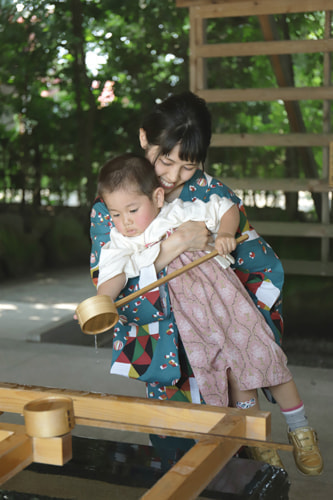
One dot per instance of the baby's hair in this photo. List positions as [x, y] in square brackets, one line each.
[125, 171]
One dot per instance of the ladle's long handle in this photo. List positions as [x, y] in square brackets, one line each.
[172, 275]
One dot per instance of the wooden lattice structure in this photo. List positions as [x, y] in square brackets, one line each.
[202, 10]
[219, 432]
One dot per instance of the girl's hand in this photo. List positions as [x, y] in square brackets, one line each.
[225, 243]
[193, 236]
[190, 236]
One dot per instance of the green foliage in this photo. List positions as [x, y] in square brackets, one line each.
[262, 117]
[34, 240]
[65, 242]
[20, 253]
[58, 132]
[54, 134]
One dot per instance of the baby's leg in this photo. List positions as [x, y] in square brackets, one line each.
[291, 405]
[286, 395]
[303, 437]
[249, 399]
[241, 399]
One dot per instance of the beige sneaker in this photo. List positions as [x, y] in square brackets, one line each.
[306, 451]
[268, 455]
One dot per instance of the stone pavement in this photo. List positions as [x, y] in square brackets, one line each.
[30, 308]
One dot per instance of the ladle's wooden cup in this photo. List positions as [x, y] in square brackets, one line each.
[98, 314]
[49, 417]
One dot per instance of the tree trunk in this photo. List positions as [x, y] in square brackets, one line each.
[38, 177]
[282, 66]
[84, 100]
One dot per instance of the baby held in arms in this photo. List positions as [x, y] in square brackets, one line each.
[230, 347]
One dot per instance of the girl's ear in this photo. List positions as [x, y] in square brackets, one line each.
[158, 197]
[143, 139]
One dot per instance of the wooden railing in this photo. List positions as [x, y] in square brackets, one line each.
[200, 51]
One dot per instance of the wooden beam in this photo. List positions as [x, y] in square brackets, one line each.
[290, 185]
[265, 139]
[135, 413]
[239, 8]
[15, 451]
[330, 167]
[197, 63]
[217, 444]
[191, 474]
[327, 127]
[243, 49]
[308, 267]
[294, 229]
[193, 471]
[267, 94]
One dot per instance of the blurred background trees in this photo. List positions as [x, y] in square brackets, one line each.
[57, 124]
[76, 78]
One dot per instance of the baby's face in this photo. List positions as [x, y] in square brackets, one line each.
[132, 211]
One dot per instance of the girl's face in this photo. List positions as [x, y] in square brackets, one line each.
[132, 211]
[170, 169]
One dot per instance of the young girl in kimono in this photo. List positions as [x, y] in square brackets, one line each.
[224, 335]
[175, 137]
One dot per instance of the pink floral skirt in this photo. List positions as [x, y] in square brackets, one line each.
[222, 330]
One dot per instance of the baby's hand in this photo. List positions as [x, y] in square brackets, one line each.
[225, 243]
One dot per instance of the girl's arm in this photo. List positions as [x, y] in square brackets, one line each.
[190, 236]
[225, 241]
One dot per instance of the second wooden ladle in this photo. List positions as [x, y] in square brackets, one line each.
[99, 313]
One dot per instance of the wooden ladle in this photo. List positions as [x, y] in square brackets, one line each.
[99, 313]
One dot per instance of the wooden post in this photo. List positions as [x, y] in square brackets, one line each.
[330, 173]
[53, 450]
[15, 450]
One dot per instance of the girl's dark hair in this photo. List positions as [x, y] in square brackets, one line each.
[127, 170]
[182, 119]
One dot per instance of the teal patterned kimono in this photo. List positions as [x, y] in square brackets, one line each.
[148, 347]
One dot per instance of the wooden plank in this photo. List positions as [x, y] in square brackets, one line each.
[229, 425]
[330, 169]
[264, 48]
[4, 434]
[191, 474]
[236, 8]
[308, 267]
[246, 441]
[197, 64]
[265, 139]
[290, 185]
[293, 229]
[198, 467]
[267, 94]
[193, 70]
[154, 416]
[326, 160]
[193, 471]
[186, 479]
[15, 451]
